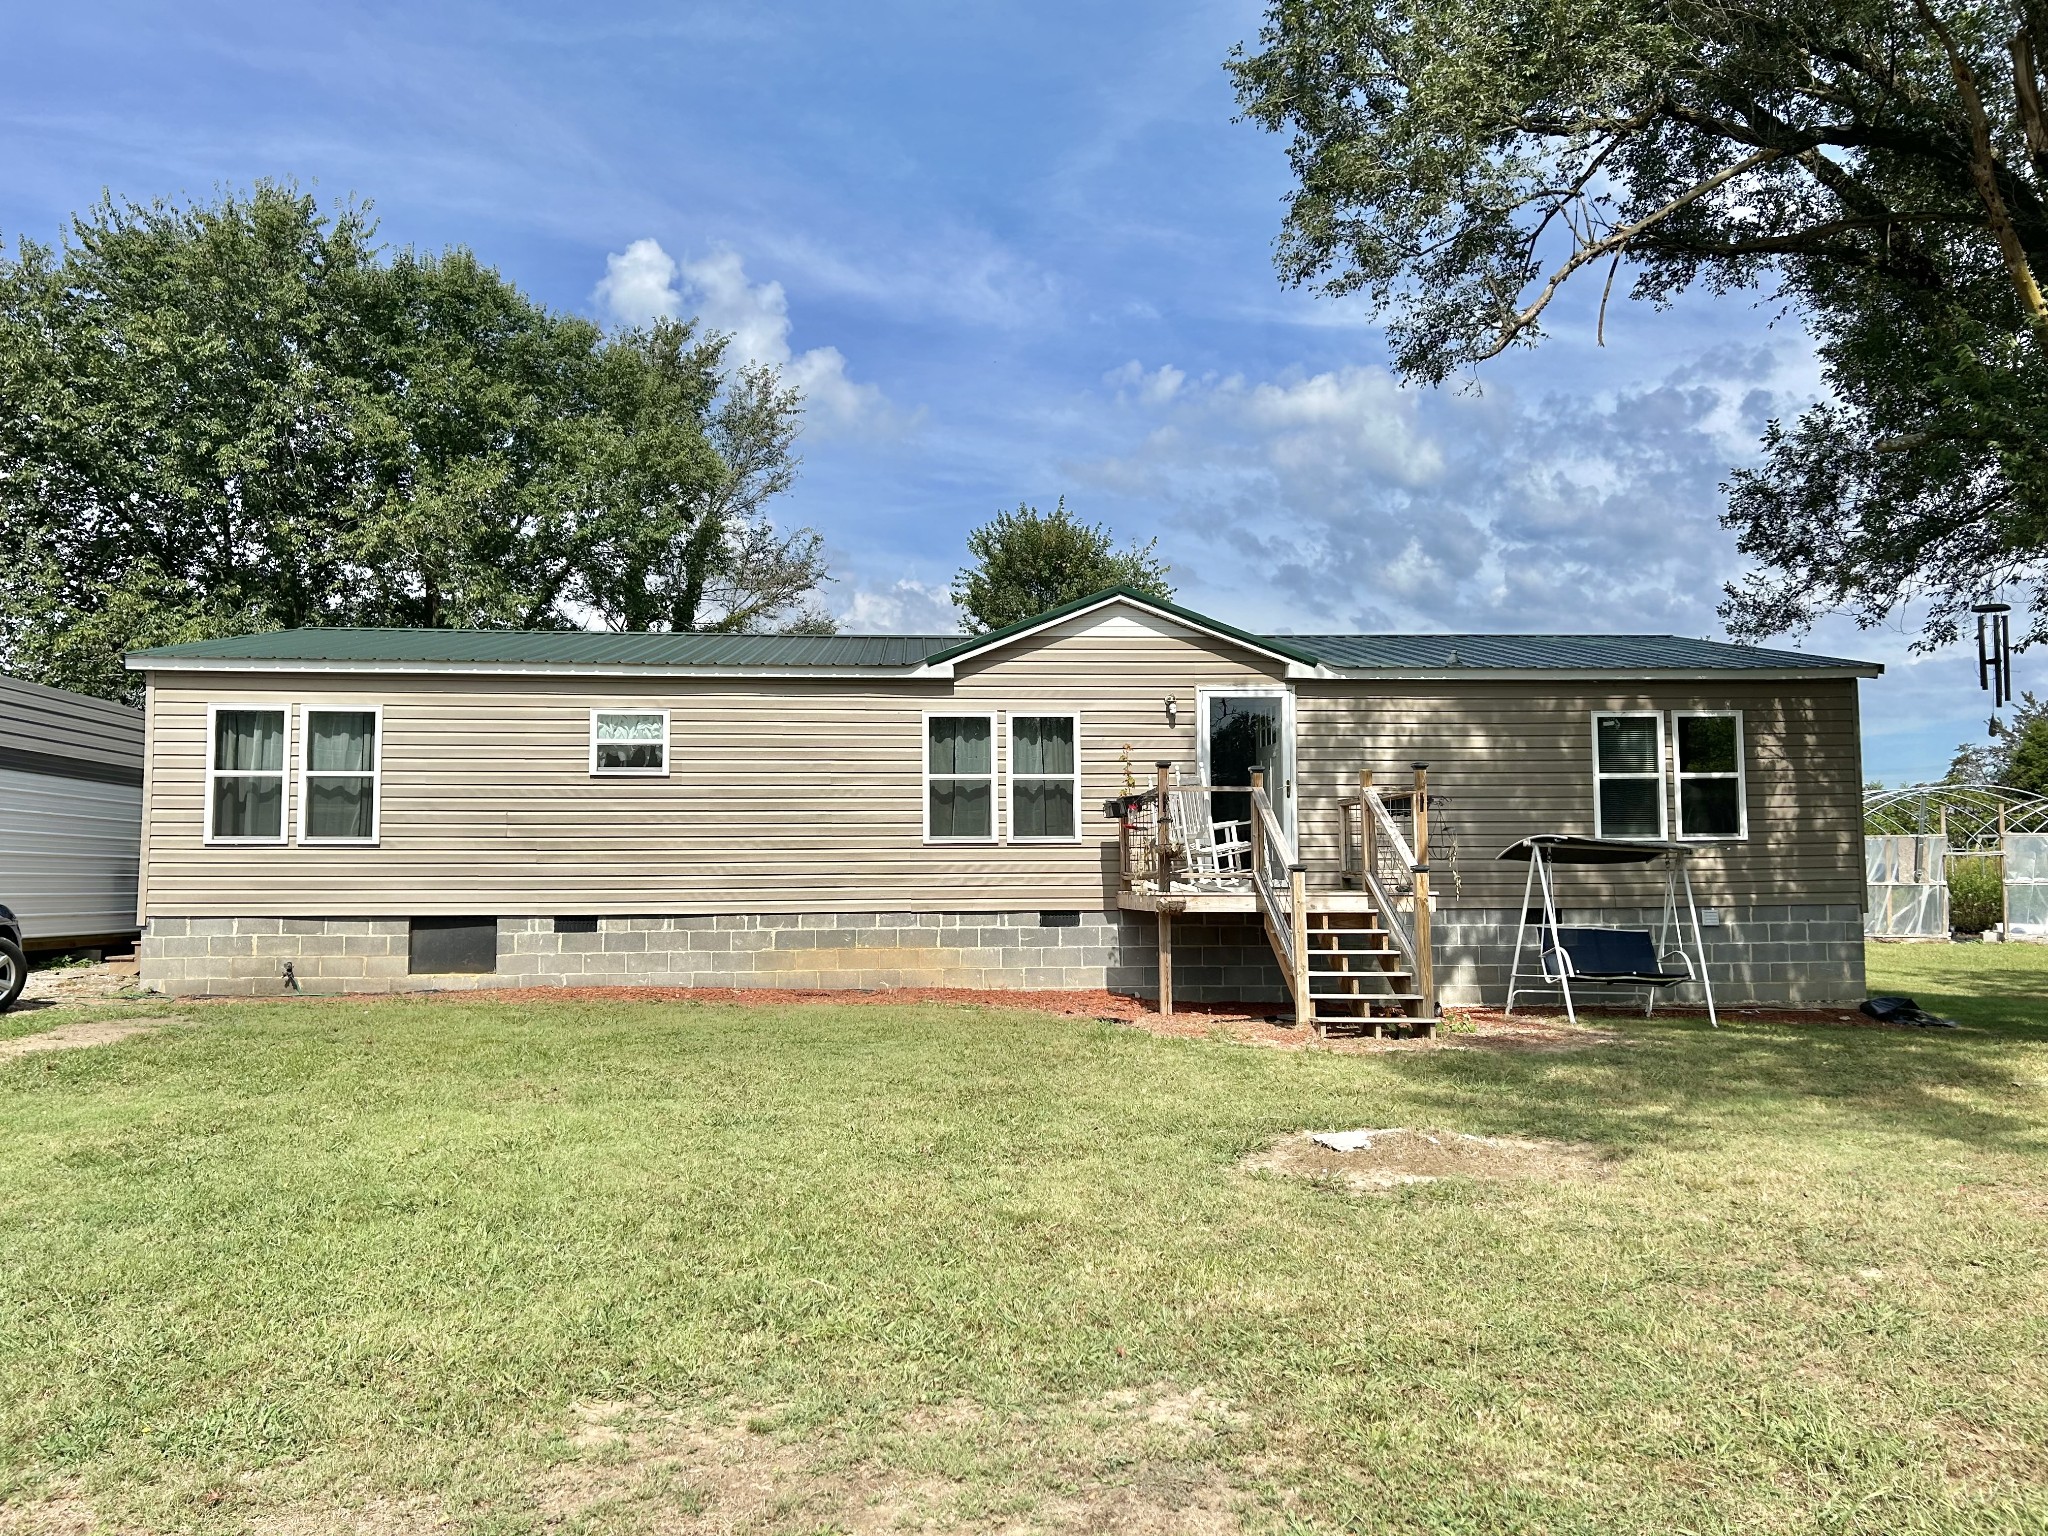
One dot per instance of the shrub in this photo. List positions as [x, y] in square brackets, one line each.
[1976, 893]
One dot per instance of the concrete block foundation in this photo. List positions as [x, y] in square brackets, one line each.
[1764, 954]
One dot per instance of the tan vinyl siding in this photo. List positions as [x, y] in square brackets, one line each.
[1517, 758]
[807, 795]
[783, 795]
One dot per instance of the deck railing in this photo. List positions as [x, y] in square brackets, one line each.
[1170, 839]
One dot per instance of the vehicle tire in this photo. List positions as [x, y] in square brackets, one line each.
[13, 973]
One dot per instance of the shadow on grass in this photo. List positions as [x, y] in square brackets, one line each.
[1677, 1082]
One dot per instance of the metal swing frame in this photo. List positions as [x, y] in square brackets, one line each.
[1554, 970]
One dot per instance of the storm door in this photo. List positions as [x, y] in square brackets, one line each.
[1243, 731]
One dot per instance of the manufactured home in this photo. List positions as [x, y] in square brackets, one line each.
[1059, 804]
[70, 816]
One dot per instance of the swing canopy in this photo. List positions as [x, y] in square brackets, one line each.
[1570, 848]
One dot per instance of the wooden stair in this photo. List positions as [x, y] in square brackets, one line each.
[1358, 981]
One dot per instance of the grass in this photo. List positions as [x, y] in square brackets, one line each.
[344, 1257]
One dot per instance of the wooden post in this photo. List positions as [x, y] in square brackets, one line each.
[1297, 912]
[1258, 823]
[1164, 839]
[1941, 871]
[1165, 960]
[1425, 961]
[2004, 890]
[1368, 833]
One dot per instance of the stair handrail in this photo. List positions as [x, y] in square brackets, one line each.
[1392, 849]
[1274, 876]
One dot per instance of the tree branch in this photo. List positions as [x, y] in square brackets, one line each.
[2026, 89]
[1984, 173]
[1594, 250]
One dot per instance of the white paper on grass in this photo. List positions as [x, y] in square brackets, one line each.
[1350, 1141]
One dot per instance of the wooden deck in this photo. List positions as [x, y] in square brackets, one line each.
[1196, 903]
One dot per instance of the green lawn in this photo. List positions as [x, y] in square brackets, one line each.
[295, 1267]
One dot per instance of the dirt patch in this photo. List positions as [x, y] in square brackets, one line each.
[1128, 1462]
[1390, 1159]
[60, 1512]
[73, 1037]
[107, 981]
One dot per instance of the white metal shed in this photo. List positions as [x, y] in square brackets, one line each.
[70, 815]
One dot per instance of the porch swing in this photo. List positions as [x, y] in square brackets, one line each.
[1585, 955]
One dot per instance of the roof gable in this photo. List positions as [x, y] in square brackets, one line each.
[1279, 649]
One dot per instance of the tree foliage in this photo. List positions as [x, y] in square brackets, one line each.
[1027, 561]
[2014, 752]
[246, 415]
[1881, 167]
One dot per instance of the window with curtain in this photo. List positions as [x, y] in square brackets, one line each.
[1710, 776]
[1045, 783]
[338, 798]
[245, 776]
[1628, 775]
[629, 741]
[960, 778]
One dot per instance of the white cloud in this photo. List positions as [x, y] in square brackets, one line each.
[907, 607]
[1342, 500]
[644, 283]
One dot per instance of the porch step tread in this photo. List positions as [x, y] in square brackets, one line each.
[1363, 997]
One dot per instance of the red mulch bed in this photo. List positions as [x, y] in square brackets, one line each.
[1246, 1023]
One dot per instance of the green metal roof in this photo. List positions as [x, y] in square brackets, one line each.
[1563, 653]
[559, 647]
[584, 648]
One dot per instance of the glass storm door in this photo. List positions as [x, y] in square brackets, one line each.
[1243, 731]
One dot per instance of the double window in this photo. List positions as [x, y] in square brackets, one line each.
[1044, 774]
[1705, 761]
[247, 748]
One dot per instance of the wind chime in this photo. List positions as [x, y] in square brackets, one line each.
[1994, 651]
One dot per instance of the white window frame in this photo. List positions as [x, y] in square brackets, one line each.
[307, 773]
[1662, 775]
[283, 774]
[1740, 776]
[1011, 717]
[668, 746]
[925, 777]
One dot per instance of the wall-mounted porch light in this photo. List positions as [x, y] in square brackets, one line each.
[1172, 710]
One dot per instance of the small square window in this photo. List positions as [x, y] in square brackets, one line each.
[629, 742]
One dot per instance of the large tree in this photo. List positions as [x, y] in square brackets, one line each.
[1027, 561]
[246, 415]
[1880, 168]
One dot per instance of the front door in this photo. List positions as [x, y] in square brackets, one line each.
[1243, 731]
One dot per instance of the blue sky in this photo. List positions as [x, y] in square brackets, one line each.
[1011, 252]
